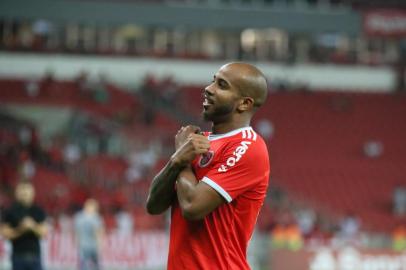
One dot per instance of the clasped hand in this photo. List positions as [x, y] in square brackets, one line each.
[27, 224]
[188, 144]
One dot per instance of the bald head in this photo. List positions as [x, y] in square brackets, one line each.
[249, 79]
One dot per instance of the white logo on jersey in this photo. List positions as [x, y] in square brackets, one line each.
[238, 153]
[250, 134]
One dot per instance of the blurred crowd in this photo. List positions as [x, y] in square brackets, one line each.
[84, 161]
[293, 224]
[274, 45]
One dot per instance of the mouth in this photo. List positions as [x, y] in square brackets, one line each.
[207, 102]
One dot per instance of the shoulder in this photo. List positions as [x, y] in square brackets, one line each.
[246, 149]
[247, 142]
[7, 209]
[5, 214]
[12, 209]
[38, 212]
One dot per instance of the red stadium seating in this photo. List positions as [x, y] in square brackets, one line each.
[316, 151]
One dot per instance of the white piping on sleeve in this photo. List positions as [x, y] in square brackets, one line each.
[217, 188]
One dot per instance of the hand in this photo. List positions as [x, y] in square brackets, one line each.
[184, 133]
[194, 144]
[27, 224]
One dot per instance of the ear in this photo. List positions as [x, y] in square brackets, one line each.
[246, 104]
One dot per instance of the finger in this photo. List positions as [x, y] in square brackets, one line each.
[201, 150]
[199, 137]
[181, 129]
[193, 128]
[203, 142]
[202, 146]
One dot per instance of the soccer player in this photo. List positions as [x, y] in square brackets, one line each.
[216, 181]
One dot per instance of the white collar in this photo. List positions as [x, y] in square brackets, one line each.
[213, 137]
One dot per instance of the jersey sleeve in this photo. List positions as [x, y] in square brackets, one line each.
[235, 171]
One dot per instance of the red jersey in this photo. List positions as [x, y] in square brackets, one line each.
[237, 167]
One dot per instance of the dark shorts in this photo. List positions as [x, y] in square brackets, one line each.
[26, 262]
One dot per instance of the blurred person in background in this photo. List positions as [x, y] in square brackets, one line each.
[349, 228]
[399, 238]
[125, 222]
[216, 182]
[306, 219]
[24, 224]
[42, 30]
[89, 232]
[399, 200]
[266, 128]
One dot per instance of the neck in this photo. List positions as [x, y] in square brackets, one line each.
[224, 127]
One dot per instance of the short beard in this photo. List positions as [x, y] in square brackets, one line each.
[219, 115]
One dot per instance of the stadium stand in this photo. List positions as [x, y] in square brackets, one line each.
[317, 149]
[337, 154]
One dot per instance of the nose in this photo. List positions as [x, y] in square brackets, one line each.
[209, 90]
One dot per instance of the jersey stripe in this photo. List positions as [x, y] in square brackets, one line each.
[246, 133]
[249, 131]
[213, 137]
[217, 188]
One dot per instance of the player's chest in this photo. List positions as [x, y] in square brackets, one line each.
[18, 215]
[203, 163]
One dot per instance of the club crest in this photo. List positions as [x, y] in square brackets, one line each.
[205, 159]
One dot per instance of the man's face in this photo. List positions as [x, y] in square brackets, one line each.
[221, 97]
[25, 194]
[91, 206]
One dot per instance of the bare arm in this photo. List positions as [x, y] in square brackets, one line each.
[188, 144]
[40, 229]
[162, 189]
[29, 224]
[9, 232]
[196, 199]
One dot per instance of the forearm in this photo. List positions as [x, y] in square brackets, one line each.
[10, 233]
[196, 199]
[162, 189]
[40, 229]
[188, 145]
[186, 191]
[185, 187]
